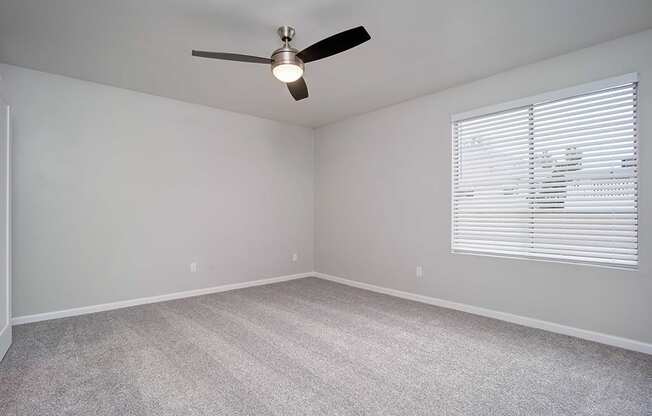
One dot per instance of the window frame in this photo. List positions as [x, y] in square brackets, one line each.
[551, 96]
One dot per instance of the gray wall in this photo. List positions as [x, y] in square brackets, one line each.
[382, 187]
[116, 192]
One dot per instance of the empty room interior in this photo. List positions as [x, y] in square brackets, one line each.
[325, 207]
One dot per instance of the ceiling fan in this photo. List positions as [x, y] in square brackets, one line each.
[288, 63]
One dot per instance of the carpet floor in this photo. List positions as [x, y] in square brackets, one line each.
[312, 347]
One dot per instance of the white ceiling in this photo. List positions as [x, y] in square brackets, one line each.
[417, 47]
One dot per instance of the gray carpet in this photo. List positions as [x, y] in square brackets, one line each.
[312, 347]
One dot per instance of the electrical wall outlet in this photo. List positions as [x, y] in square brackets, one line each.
[419, 271]
[295, 257]
[193, 267]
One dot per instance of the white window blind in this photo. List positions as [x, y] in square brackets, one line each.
[554, 177]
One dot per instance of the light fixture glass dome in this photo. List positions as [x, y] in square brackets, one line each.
[287, 72]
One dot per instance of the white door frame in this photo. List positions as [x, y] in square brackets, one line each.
[5, 327]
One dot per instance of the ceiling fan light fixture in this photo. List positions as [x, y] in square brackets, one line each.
[287, 72]
[286, 66]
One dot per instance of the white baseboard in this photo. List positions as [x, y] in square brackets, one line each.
[5, 340]
[152, 299]
[613, 340]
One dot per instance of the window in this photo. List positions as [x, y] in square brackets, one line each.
[552, 177]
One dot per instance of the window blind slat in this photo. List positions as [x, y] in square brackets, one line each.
[555, 180]
[617, 189]
[631, 248]
[613, 155]
[596, 106]
[565, 253]
[565, 258]
[528, 225]
[585, 99]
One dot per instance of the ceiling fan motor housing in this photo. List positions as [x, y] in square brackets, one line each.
[286, 55]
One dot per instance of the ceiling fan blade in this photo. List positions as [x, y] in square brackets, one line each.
[298, 89]
[232, 57]
[334, 44]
